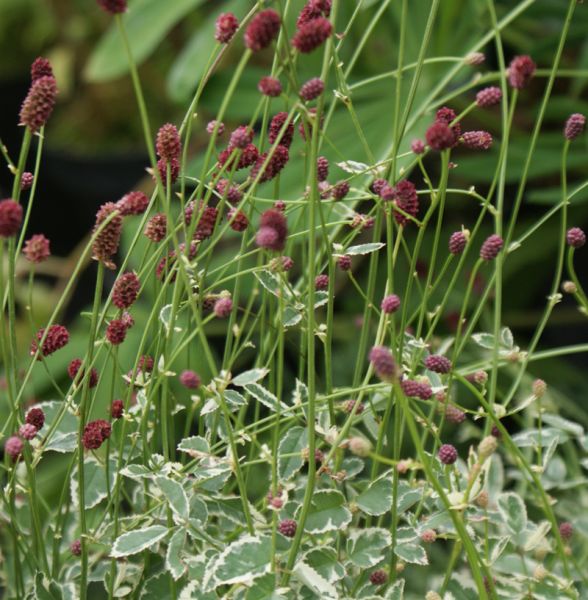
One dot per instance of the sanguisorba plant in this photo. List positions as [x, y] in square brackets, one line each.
[236, 460]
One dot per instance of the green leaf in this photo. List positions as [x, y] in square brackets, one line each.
[412, 553]
[196, 446]
[173, 561]
[46, 589]
[364, 248]
[146, 24]
[293, 442]
[376, 499]
[563, 424]
[242, 562]
[365, 547]
[315, 582]
[65, 437]
[327, 512]
[265, 589]
[138, 540]
[94, 482]
[263, 395]
[513, 511]
[252, 376]
[234, 398]
[325, 562]
[176, 497]
[155, 587]
[395, 592]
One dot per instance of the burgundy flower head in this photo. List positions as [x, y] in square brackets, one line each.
[407, 200]
[156, 227]
[190, 379]
[125, 290]
[270, 86]
[416, 389]
[447, 115]
[312, 10]
[225, 28]
[273, 230]
[383, 363]
[116, 332]
[95, 433]
[247, 158]
[14, 447]
[74, 368]
[117, 409]
[440, 136]
[312, 89]
[76, 548]
[26, 181]
[489, 96]
[417, 146]
[218, 125]
[520, 71]
[223, 307]
[278, 158]
[390, 304]
[206, 223]
[566, 530]
[575, 237]
[574, 126]
[241, 137]
[39, 102]
[174, 170]
[438, 363]
[322, 168]
[27, 431]
[457, 242]
[106, 243]
[491, 247]
[312, 34]
[477, 140]
[287, 527]
[41, 67]
[378, 577]
[36, 249]
[168, 142]
[232, 192]
[10, 217]
[344, 262]
[57, 337]
[238, 220]
[133, 203]
[36, 417]
[275, 127]
[447, 454]
[340, 190]
[113, 7]
[262, 30]
[321, 282]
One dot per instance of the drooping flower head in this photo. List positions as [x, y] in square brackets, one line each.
[312, 89]
[133, 203]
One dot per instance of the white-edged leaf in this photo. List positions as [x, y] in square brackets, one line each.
[365, 547]
[376, 499]
[241, 562]
[364, 248]
[327, 512]
[291, 316]
[234, 399]
[292, 443]
[352, 166]
[513, 511]
[264, 396]
[396, 591]
[138, 540]
[412, 553]
[538, 534]
[196, 446]
[563, 424]
[173, 560]
[176, 497]
[498, 548]
[325, 562]
[315, 582]
[251, 376]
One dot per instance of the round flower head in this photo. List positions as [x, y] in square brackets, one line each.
[117, 409]
[116, 332]
[74, 368]
[275, 129]
[312, 10]
[76, 548]
[383, 363]
[575, 237]
[41, 67]
[447, 454]
[27, 431]
[113, 7]
[106, 243]
[439, 136]
[350, 405]
[321, 282]
[566, 530]
[156, 227]
[232, 192]
[238, 220]
[133, 203]
[36, 418]
[489, 96]
[241, 137]
[273, 230]
[206, 223]
[340, 190]
[539, 388]
[429, 536]
[454, 414]
[491, 247]
[14, 447]
[438, 363]
[26, 181]
[344, 262]
[390, 304]
[477, 140]
[10, 217]
[520, 71]
[416, 389]
[407, 200]
[125, 290]
[36, 249]
[287, 527]
[190, 379]
[262, 30]
[270, 86]
[312, 34]
[57, 337]
[247, 158]
[218, 125]
[574, 126]
[312, 89]
[322, 168]
[457, 242]
[417, 146]
[225, 27]
[168, 144]
[223, 307]
[378, 577]
[95, 433]
[39, 102]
